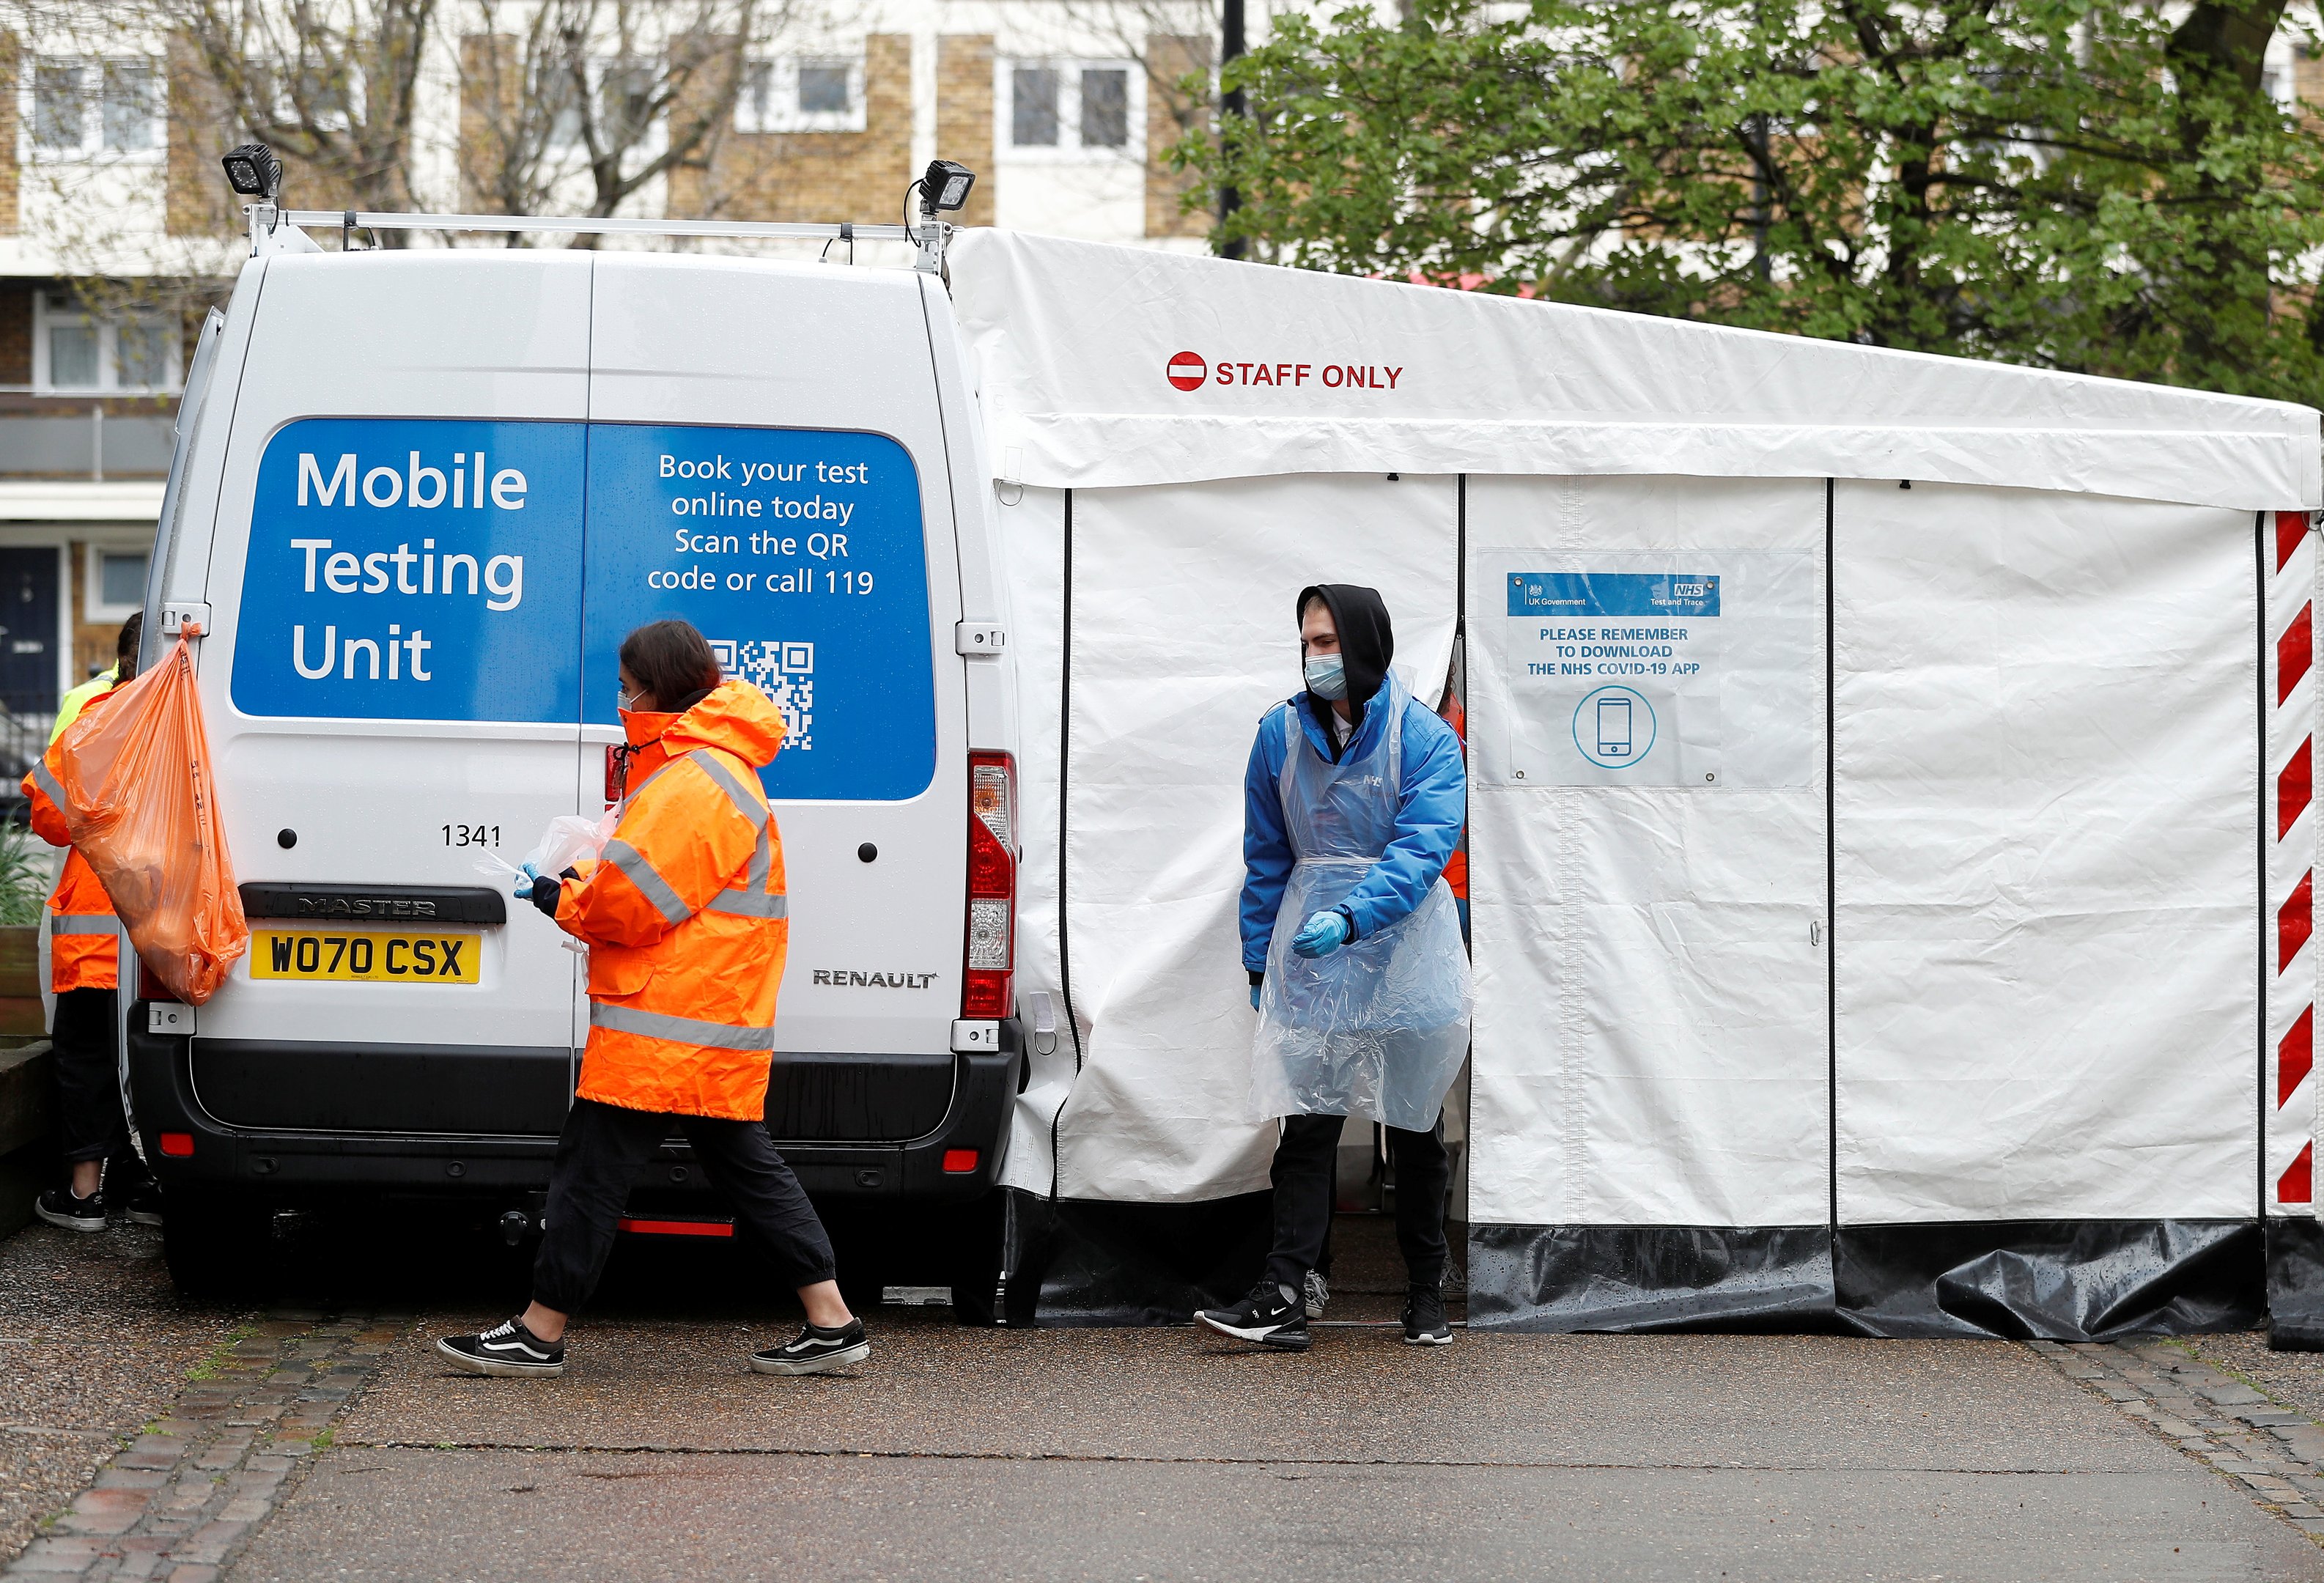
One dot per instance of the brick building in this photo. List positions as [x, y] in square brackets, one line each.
[116, 231]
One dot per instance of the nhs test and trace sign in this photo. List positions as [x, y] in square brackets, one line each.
[444, 569]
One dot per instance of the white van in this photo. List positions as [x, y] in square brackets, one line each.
[419, 498]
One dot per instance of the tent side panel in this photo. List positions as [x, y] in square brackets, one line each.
[1649, 1277]
[2288, 646]
[1650, 1109]
[1184, 633]
[2069, 1280]
[2046, 797]
[1032, 529]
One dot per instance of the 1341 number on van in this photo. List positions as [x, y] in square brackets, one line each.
[365, 957]
[472, 835]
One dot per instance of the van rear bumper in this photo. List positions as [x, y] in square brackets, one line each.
[449, 1160]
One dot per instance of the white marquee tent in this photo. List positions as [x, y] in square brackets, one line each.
[1890, 826]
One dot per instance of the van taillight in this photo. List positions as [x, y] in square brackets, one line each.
[991, 885]
[151, 987]
[616, 770]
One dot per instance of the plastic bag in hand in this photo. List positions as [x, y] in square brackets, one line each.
[141, 804]
[569, 838]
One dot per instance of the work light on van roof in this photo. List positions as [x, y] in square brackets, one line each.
[944, 186]
[254, 171]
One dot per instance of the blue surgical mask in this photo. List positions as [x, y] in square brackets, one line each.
[1327, 676]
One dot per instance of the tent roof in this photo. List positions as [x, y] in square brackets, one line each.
[1307, 373]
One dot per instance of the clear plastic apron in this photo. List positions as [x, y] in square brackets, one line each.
[1378, 1027]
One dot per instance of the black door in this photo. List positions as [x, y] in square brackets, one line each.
[28, 653]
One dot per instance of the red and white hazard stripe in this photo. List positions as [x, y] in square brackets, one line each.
[2291, 690]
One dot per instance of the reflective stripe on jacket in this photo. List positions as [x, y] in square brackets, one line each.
[84, 935]
[686, 914]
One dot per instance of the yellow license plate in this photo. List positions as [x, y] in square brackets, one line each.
[365, 956]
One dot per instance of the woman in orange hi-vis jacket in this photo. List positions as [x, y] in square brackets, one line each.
[685, 917]
[85, 960]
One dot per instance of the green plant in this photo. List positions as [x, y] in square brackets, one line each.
[25, 873]
[2064, 183]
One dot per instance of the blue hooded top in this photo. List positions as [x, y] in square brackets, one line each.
[1432, 800]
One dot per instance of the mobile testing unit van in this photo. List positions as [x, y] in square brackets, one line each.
[418, 499]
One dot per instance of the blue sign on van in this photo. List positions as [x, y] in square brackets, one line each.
[436, 570]
[801, 555]
[413, 569]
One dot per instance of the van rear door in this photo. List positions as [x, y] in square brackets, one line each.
[767, 461]
[390, 678]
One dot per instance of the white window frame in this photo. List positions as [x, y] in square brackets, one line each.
[1068, 149]
[46, 316]
[91, 147]
[93, 606]
[783, 114]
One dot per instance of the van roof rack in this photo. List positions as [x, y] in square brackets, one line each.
[266, 220]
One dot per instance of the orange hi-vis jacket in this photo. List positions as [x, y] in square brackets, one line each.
[686, 917]
[84, 933]
[1456, 867]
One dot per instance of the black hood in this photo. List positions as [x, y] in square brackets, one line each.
[1366, 643]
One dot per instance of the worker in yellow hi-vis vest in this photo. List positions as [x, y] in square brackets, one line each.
[85, 961]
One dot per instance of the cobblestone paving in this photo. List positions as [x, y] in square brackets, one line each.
[93, 1341]
[181, 1499]
[2262, 1445]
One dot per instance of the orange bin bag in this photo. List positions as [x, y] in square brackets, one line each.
[142, 807]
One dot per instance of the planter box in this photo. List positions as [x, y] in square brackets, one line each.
[22, 1016]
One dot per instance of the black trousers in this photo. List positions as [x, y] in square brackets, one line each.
[88, 1086]
[1303, 1159]
[598, 1157]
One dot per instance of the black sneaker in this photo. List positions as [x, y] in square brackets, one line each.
[816, 1350]
[507, 1350]
[140, 1205]
[1272, 1315]
[1424, 1319]
[59, 1207]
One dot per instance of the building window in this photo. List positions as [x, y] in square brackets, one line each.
[114, 588]
[1072, 109]
[1033, 108]
[809, 93]
[624, 92]
[305, 94]
[76, 353]
[1105, 108]
[81, 108]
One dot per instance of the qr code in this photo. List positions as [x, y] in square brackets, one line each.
[784, 672]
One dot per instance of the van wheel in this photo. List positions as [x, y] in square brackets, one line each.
[211, 1241]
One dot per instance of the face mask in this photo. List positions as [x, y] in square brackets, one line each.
[1327, 676]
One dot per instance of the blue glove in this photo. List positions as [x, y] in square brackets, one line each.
[525, 876]
[1325, 933]
[1254, 997]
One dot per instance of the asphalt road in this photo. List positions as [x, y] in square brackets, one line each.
[1158, 1454]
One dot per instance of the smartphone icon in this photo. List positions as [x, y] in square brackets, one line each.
[1613, 727]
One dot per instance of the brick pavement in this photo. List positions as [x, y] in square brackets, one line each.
[180, 1501]
[2270, 1451]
